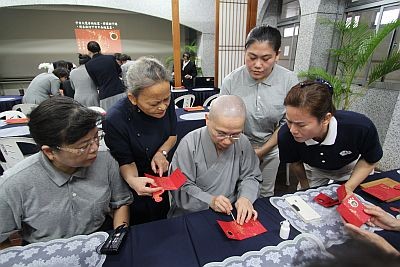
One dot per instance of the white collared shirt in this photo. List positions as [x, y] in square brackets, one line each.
[330, 137]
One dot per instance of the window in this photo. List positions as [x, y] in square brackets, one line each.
[289, 27]
[372, 16]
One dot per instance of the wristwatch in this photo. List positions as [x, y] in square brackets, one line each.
[165, 153]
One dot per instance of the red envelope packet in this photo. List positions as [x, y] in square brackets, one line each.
[325, 200]
[197, 108]
[341, 192]
[172, 182]
[352, 210]
[17, 120]
[382, 191]
[239, 232]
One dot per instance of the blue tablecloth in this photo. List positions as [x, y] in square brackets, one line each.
[7, 102]
[196, 239]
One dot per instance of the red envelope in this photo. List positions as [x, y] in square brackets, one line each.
[172, 182]
[382, 191]
[341, 192]
[196, 108]
[239, 232]
[325, 200]
[352, 210]
[17, 120]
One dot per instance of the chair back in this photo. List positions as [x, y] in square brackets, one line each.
[25, 108]
[188, 100]
[207, 102]
[11, 151]
[11, 114]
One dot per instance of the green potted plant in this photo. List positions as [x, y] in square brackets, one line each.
[358, 45]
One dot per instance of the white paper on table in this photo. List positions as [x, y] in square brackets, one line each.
[7, 99]
[14, 131]
[193, 116]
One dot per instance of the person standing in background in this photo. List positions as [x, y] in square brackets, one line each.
[45, 85]
[263, 85]
[188, 71]
[105, 71]
[85, 89]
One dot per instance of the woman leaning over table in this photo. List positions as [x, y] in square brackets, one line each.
[321, 143]
[263, 85]
[140, 131]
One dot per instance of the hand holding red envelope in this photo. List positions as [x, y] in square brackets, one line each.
[172, 182]
[236, 231]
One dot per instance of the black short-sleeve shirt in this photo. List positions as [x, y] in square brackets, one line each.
[133, 136]
[356, 136]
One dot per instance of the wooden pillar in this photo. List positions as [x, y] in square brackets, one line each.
[176, 42]
[216, 47]
[251, 15]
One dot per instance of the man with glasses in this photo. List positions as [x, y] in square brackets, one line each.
[220, 164]
[69, 187]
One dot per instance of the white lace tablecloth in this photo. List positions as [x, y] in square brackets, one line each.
[329, 229]
[72, 252]
[304, 246]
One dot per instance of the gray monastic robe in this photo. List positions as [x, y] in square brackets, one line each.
[234, 173]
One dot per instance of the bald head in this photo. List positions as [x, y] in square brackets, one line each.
[227, 106]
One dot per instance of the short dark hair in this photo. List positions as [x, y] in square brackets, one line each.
[124, 57]
[264, 33]
[186, 54]
[83, 59]
[312, 96]
[61, 73]
[61, 120]
[93, 47]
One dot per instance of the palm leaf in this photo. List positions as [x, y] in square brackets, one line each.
[368, 46]
[389, 65]
[338, 89]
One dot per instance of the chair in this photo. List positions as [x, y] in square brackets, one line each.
[11, 151]
[98, 109]
[188, 100]
[25, 108]
[208, 101]
[11, 114]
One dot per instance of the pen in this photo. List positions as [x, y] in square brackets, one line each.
[233, 217]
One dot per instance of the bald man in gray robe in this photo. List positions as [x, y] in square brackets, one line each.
[220, 164]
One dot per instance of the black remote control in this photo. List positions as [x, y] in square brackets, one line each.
[113, 243]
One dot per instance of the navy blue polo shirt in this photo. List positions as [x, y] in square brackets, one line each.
[133, 136]
[355, 135]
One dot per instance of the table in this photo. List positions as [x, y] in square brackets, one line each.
[75, 251]
[189, 121]
[7, 102]
[195, 239]
[201, 94]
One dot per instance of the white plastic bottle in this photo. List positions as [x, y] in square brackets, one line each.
[285, 229]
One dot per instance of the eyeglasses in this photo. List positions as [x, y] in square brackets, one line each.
[233, 137]
[85, 148]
